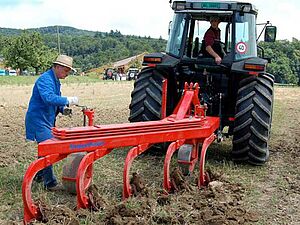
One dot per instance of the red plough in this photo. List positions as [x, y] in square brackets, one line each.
[186, 128]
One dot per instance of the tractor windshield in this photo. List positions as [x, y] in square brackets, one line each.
[176, 34]
[245, 38]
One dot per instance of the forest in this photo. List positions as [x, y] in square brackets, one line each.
[35, 49]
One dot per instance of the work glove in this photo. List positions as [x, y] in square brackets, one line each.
[67, 112]
[72, 101]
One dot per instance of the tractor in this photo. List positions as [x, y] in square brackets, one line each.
[238, 90]
[132, 73]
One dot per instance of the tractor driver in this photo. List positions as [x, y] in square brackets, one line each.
[44, 105]
[211, 46]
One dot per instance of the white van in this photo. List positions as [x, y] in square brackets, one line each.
[12, 73]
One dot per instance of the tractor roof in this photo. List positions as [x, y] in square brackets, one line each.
[210, 5]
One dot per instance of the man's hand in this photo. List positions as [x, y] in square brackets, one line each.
[67, 112]
[73, 101]
[210, 50]
[218, 60]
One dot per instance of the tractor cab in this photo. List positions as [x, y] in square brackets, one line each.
[237, 26]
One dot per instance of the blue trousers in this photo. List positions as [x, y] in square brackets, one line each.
[47, 174]
[48, 177]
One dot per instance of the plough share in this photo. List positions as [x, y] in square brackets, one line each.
[186, 129]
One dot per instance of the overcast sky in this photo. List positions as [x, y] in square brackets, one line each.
[134, 17]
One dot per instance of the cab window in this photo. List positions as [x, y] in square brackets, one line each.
[176, 34]
[245, 38]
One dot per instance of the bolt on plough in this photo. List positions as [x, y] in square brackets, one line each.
[185, 129]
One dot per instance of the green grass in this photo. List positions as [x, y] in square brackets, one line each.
[17, 80]
[29, 80]
[10, 191]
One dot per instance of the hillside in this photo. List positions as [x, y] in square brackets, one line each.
[63, 30]
[90, 49]
[9, 31]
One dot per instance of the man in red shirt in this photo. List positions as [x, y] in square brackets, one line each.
[211, 46]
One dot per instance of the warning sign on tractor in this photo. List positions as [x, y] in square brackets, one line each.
[241, 47]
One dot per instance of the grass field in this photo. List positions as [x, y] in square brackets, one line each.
[29, 80]
[249, 195]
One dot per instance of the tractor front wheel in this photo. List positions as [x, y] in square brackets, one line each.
[253, 119]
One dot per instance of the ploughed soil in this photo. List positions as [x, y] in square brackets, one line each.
[237, 194]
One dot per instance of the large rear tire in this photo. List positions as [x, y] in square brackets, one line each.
[146, 102]
[253, 119]
[146, 97]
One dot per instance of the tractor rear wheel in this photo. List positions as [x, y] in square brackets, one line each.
[146, 97]
[146, 102]
[253, 119]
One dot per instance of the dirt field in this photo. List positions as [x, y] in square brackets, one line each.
[240, 194]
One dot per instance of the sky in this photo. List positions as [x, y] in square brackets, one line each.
[130, 17]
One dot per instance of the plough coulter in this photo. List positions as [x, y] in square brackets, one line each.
[185, 129]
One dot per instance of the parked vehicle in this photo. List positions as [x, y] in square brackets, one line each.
[12, 73]
[132, 73]
[2, 72]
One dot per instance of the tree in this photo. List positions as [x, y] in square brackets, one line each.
[42, 57]
[136, 63]
[28, 50]
[282, 71]
[285, 65]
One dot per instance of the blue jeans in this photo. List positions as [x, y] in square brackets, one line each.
[48, 177]
[47, 173]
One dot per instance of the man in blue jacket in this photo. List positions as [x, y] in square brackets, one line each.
[45, 103]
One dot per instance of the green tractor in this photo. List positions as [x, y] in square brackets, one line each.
[238, 90]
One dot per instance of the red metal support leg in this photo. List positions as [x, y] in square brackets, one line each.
[194, 159]
[203, 179]
[84, 176]
[31, 211]
[171, 149]
[131, 155]
[164, 99]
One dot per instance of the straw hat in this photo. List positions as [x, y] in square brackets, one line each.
[65, 61]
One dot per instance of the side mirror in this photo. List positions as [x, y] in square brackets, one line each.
[270, 33]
